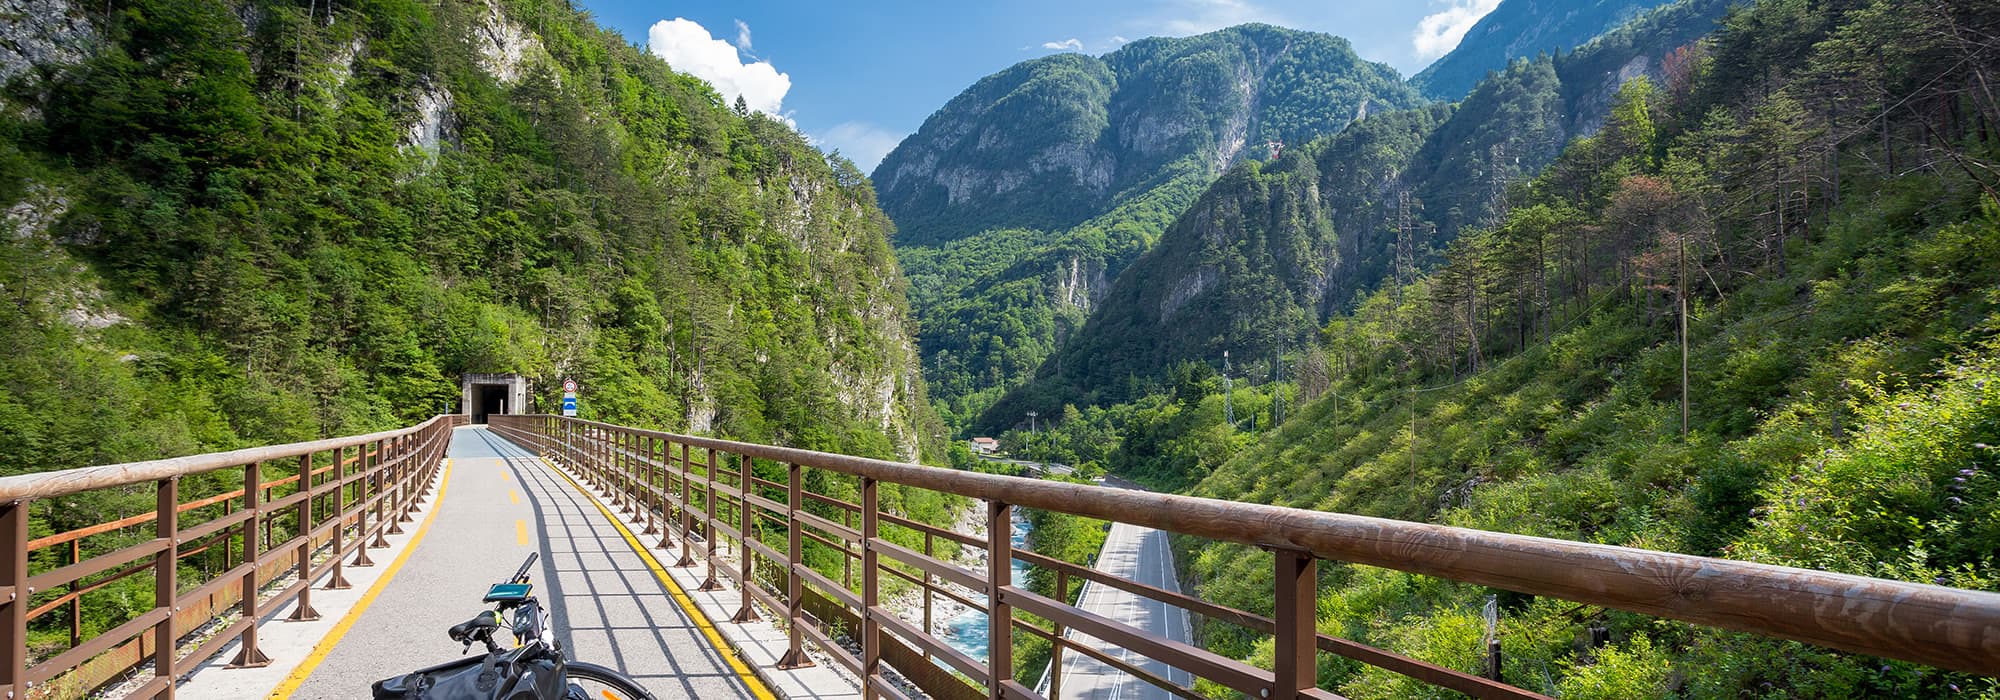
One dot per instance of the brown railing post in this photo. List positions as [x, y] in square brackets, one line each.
[621, 479]
[14, 577]
[928, 628]
[76, 601]
[651, 499]
[708, 536]
[303, 611]
[249, 656]
[748, 521]
[687, 517]
[406, 481]
[1297, 634]
[1056, 646]
[795, 655]
[166, 578]
[999, 615]
[392, 497]
[871, 596]
[367, 465]
[337, 581]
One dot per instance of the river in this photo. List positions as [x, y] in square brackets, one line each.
[967, 631]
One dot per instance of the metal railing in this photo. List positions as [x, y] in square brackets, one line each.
[683, 486]
[337, 498]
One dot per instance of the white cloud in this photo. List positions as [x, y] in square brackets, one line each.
[1070, 44]
[1439, 33]
[742, 36]
[1119, 40]
[689, 48]
[863, 143]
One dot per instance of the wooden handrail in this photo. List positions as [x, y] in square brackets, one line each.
[1939, 626]
[68, 481]
[365, 498]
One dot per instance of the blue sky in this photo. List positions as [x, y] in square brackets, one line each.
[860, 75]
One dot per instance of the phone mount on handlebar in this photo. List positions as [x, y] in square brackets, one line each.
[515, 590]
[509, 594]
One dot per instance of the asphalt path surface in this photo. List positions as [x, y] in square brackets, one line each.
[1140, 554]
[502, 504]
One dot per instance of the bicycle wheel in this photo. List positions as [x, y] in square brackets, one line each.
[594, 682]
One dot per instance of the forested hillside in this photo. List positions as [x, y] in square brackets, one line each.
[1754, 317]
[1272, 249]
[1020, 200]
[1518, 29]
[252, 222]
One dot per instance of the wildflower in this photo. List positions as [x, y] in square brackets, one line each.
[1939, 581]
[1967, 472]
[1954, 500]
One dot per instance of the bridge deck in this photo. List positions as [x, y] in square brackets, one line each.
[502, 503]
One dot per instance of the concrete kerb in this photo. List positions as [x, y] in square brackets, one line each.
[759, 644]
[291, 643]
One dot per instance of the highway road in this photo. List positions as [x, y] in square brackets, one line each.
[1140, 554]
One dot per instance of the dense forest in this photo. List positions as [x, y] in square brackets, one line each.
[1752, 316]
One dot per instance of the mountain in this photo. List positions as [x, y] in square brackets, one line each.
[1018, 200]
[1522, 29]
[240, 223]
[1268, 254]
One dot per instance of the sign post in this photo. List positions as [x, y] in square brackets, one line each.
[569, 397]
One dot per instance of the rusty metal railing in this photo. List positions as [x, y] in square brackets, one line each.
[684, 486]
[337, 498]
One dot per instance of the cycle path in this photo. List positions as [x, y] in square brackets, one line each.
[503, 503]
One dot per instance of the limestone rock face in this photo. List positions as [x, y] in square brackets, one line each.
[41, 35]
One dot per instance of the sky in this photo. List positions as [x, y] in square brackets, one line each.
[860, 75]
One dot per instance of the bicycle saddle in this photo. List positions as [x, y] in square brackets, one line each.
[479, 626]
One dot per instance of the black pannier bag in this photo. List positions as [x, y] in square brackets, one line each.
[491, 677]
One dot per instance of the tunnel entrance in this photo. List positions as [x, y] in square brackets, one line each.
[488, 399]
[485, 395]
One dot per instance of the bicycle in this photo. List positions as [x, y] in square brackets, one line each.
[534, 669]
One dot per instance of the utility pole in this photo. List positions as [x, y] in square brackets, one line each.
[1278, 390]
[1228, 410]
[1031, 436]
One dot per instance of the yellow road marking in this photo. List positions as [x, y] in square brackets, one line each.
[503, 471]
[520, 532]
[292, 682]
[513, 496]
[743, 672]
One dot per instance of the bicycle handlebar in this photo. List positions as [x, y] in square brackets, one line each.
[522, 575]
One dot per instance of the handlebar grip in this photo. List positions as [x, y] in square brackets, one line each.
[522, 575]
